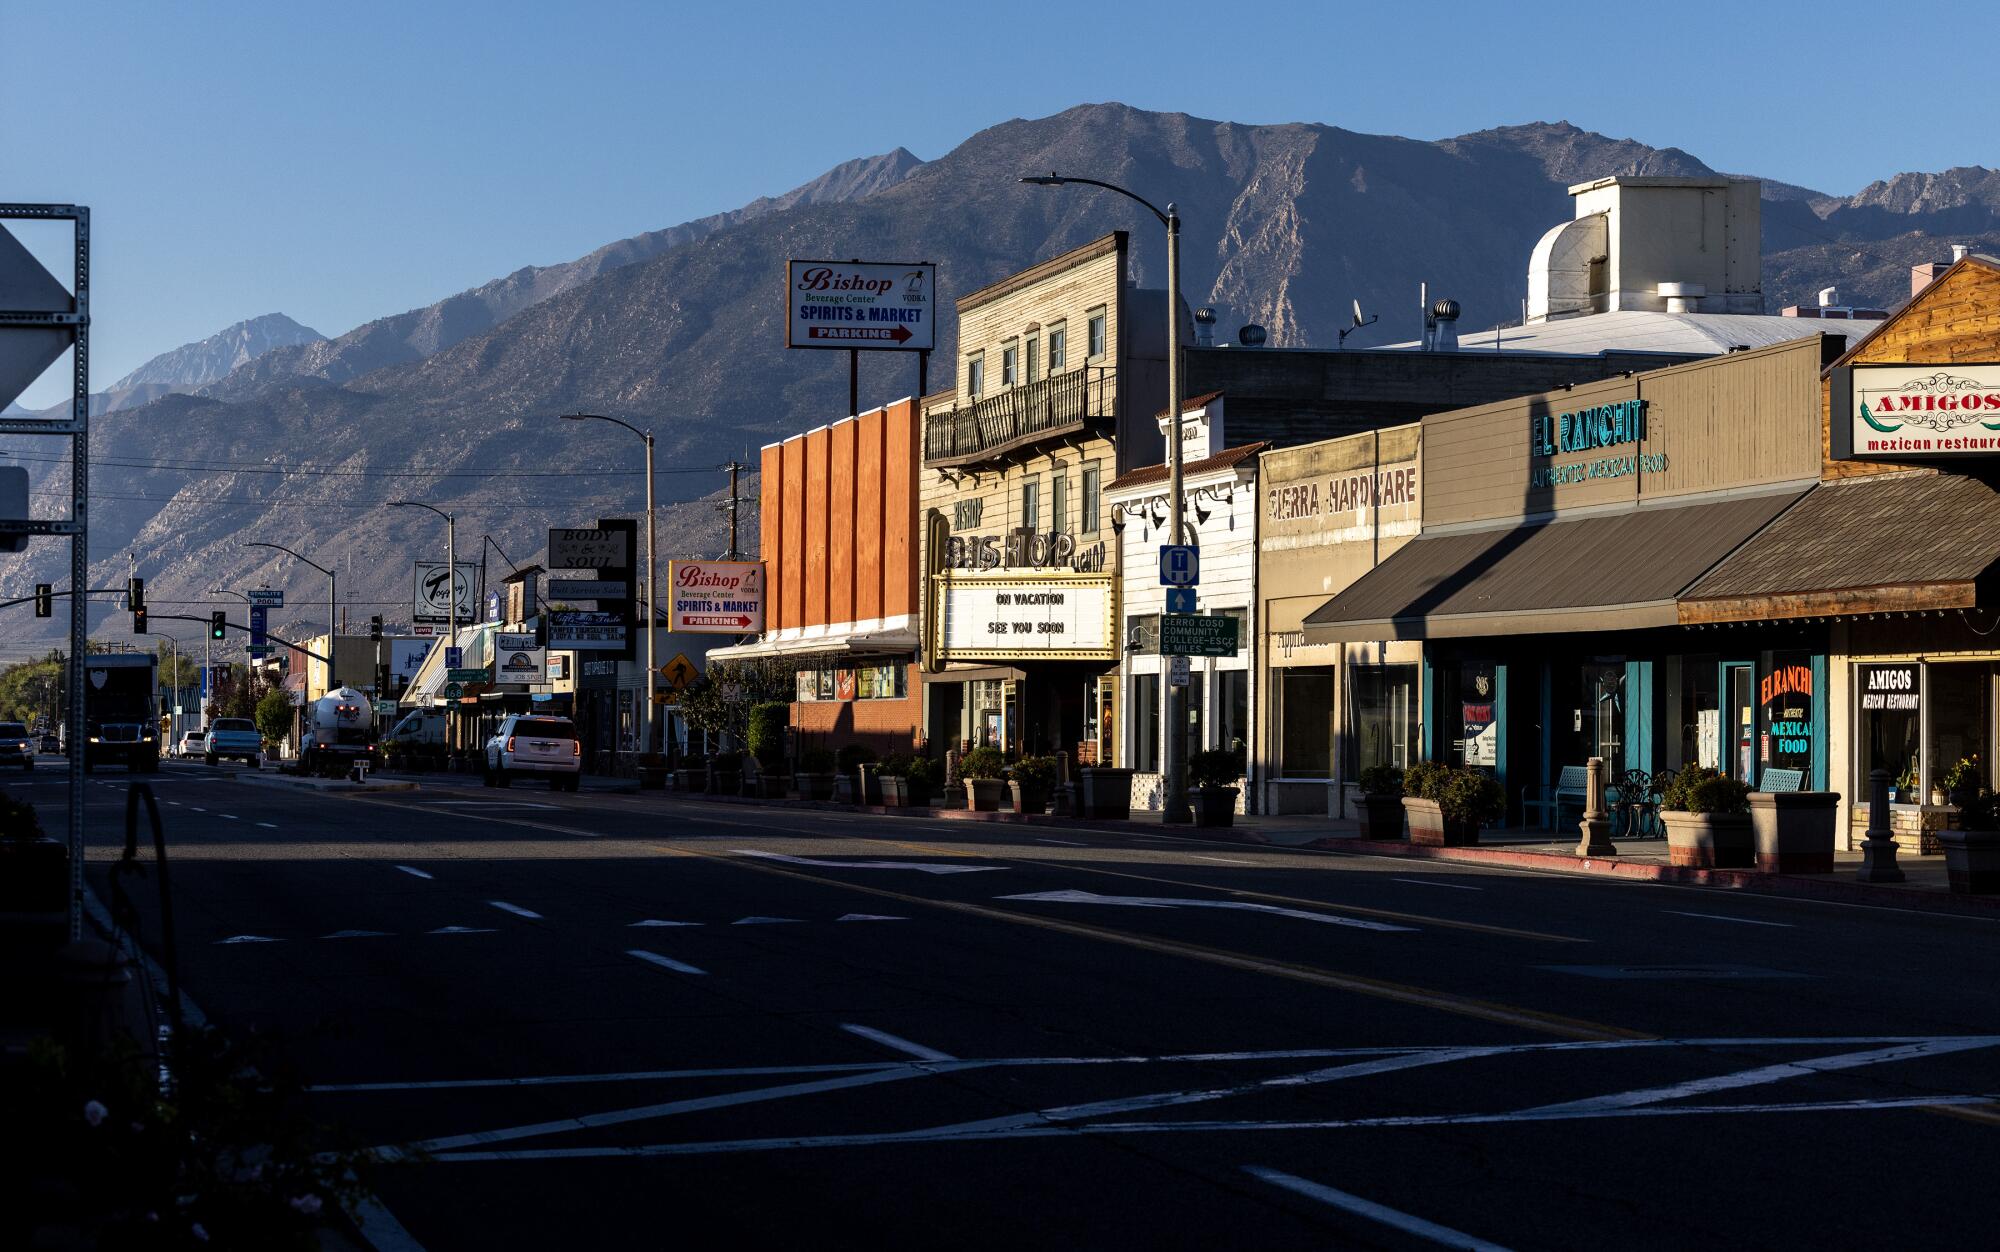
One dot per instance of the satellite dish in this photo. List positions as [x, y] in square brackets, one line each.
[1358, 322]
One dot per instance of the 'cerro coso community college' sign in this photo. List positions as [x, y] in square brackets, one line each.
[1916, 410]
[1603, 426]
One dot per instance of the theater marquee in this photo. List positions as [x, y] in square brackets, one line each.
[1026, 619]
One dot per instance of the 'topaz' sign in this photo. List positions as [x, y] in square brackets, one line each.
[861, 304]
[716, 597]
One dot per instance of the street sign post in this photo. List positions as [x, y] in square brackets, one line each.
[453, 691]
[1188, 634]
[1180, 599]
[1177, 671]
[456, 675]
[1180, 565]
[259, 616]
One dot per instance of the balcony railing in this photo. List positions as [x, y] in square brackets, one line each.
[1057, 404]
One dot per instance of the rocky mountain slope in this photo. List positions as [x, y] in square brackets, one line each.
[1284, 225]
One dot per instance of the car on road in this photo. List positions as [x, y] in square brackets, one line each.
[51, 741]
[234, 738]
[16, 748]
[193, 743]
[535, 746]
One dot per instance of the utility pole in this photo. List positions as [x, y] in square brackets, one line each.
[734, 468]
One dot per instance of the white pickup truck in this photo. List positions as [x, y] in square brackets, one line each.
[234, 738]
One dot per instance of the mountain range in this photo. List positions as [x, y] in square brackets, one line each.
[680, 329]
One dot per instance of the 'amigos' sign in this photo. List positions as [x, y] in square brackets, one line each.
[1905, 411]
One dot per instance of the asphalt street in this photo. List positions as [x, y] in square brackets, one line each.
[635, 1021]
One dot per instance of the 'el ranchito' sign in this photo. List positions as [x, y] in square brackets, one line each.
[1916, 411]
[1603, 426]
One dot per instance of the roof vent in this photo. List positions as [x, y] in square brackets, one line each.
[1204, 327]
[1829, 297]
[1251, 336]
[1958, 251]
[1444, 318]
[1683, 297]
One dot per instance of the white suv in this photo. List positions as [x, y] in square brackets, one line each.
[536, 745]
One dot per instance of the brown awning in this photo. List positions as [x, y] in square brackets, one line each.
[1615, 571]
[1881, 543]
[978, 673]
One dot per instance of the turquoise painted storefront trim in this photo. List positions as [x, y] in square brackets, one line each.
[1820, 720]
[1500, 725]
[1639, 698]
[1427, 683]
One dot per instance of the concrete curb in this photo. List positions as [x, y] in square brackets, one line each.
[1216, 834]
[1830, 887]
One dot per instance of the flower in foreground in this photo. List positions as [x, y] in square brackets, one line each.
[95, 1113]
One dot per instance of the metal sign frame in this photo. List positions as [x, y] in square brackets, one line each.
[76, 321]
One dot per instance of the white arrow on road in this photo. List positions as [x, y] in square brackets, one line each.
[920, 866]
[248, 939]
[1168, 902]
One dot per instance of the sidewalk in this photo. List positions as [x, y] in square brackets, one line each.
[1925, 888]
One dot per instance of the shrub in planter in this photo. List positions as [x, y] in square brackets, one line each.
[768, 723]
[1381, 802]
[723, 769]
[984, 771]
[1210, 777]
[815, 777]
[920, 780]
[1972, 852]
[1707, 817]
[1031, 780]
[1963, 781]
[1445, 804]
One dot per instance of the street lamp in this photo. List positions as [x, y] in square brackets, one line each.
[451, 565]
[652, 602]
[1174, 805]
[332, 622]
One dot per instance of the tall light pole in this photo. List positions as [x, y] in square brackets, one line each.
[652, 600]
[1174, 804]
[451, 565]
[332, 622]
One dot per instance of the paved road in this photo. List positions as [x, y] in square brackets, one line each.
[632, 1021]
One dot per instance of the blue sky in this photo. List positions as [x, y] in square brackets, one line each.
[339, 162]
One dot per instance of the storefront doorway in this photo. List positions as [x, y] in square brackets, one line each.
[1739, 758]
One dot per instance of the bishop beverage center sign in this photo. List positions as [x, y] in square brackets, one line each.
[861, 304]
[1917, 410]
[716, 597]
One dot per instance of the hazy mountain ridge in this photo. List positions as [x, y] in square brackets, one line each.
[1284, 225]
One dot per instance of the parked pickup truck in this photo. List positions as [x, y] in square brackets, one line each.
[234, 737]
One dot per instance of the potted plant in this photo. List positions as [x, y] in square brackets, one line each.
[984, 771]
[1972, 850]
[34, 869]
[769, 723]
[858, 775]
[1445, 805]
[1963, 781]
[891, 773]
[1105, 791]
[1707, 818]
[1904, 790]
[1381, 802]
[1030, 782]
[725, 773]
[1210, 777]
[815, 777]
[920, 778]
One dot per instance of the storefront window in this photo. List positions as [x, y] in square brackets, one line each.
[1889, 701]
[805, 685]
[1305, 721]
[1230, 715]
[1145, 722]
[1469, 704]
[1687, 712]
[1383, 718]
[1961, 724]
[882, 682]
[1786, 694]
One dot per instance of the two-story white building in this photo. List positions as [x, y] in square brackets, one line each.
[1219, 511]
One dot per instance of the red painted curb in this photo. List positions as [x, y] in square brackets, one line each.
[1796, 886]
[1216, 834]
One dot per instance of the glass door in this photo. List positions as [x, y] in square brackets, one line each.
[1740, 724]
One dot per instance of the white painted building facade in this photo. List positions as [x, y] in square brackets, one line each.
[1219, 504]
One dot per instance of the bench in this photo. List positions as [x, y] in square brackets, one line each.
[1783, 780]
[1573, 786]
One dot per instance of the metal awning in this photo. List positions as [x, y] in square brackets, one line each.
[1611, 571]
[976, 673]
[1882, 543]
[888, 637]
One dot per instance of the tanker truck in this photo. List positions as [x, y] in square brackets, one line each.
[339, 730]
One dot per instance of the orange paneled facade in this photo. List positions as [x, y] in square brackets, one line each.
[838, 520]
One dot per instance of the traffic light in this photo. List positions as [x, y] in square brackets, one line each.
[375, 626]
[135, 595]
[138, 621]
[45, 600]
[218, 625]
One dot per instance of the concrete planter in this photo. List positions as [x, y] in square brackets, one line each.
[1381, 817]
[1214, 806]
[1028, 799]
[1106, 792]
[1709, 840]
[771, 785]
[1794, 830]
[691, 781]
[869, 784]
[1430, 828]
[983, 795]
[813, 786]
[1972, 861]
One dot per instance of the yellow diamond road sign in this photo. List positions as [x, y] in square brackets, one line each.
[680, 672]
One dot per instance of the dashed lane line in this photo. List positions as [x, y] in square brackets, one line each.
[516, 910]
[412, 870]
[1724, 917]
[1410, 1225]
[1448, 886]
[664, 962]
[896, 1043]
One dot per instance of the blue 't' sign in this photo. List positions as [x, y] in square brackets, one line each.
[1180, 565]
